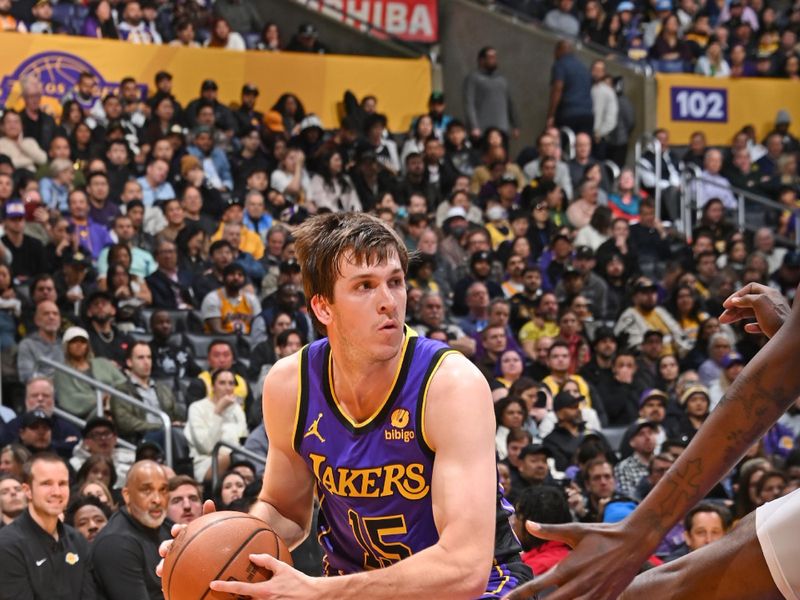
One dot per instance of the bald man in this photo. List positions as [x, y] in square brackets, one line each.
[44, 342]
[125, 552]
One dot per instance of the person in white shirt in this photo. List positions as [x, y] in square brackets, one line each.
[219, 417]
[712, 184]
[223, 37]
[291, 178]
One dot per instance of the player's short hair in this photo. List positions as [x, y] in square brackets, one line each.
[325, 241]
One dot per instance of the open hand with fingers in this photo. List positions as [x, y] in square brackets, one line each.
[286, 582]
[604, 560]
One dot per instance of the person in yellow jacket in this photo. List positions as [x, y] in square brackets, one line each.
[250, 241]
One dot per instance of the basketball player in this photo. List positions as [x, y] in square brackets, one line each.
[758, 560]
[392, 432]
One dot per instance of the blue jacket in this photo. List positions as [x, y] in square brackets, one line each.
[220, 161]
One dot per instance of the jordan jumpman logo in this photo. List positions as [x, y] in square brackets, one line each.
[314, 429]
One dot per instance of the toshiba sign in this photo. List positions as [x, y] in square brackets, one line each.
[413, 20]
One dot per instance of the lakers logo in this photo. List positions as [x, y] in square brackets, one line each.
[400, 418]
[314, 429]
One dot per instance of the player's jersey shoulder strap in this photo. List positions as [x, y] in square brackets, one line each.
[433, 367]
[301, 412]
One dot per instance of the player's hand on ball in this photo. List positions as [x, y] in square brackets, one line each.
[286, 582]
[163, 549]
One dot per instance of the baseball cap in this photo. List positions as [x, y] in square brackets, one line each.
[535, 449]
[732, 358]
[570, 271]
[99, 295]
[34, 416]
[456, 212]
[307, 29]
[208, 84]
[691, 390]
[642, 424]
[74, 333]
[565, 400]
[783, 117]
[644, 284]
[290, 266]
[95, 422]
[233, 201]
[249, 88]
[507, 178]
[311, 121]
[480, 256]
[584, 252]
[14, 209]
[436, 97]
[625, 5]
[792, 259]
[653, 393]
[662, 5]
[77, 258]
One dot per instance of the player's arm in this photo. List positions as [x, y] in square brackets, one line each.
[286, 497]
[733, 567]
[459, 424]
[606, 559]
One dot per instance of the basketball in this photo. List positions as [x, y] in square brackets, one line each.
[218, 546]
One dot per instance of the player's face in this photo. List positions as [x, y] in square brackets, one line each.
[369, 306]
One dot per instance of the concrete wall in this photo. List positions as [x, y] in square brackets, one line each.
[525, 55]
[336, 36]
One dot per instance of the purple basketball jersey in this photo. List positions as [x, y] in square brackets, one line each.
[373, 478]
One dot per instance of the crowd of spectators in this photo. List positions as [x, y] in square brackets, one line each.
[229, 24]
[149, 245]
[735, 38]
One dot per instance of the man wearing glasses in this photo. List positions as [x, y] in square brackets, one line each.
[100, 438]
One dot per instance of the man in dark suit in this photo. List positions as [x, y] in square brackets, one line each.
[170, 286]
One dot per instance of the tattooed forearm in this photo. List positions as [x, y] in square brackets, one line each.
[682, 487]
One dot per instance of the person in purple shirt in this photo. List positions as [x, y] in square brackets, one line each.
[92, 235]
[102, 209]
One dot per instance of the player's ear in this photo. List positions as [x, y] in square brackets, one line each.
[321, 308]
